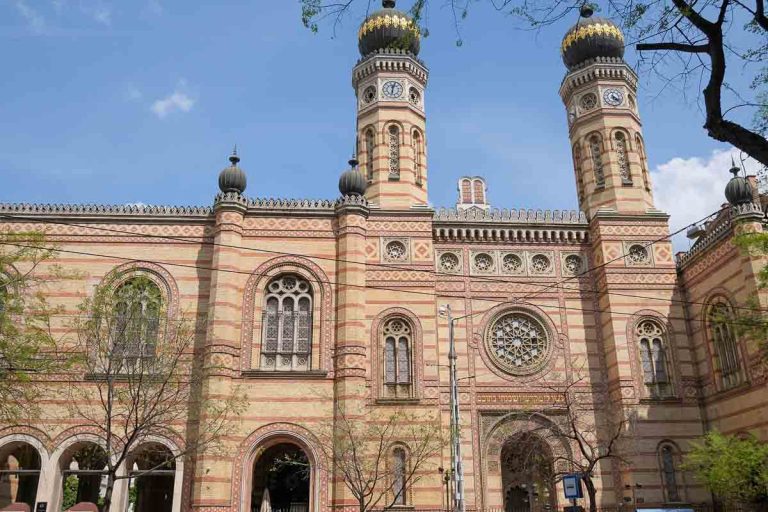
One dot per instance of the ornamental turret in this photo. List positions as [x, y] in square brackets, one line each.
[389, 82]
[599, 93]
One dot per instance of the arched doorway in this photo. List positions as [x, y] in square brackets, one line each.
[526, 475]
[83, 468]
[19, 474]
[153, 472]
[281, 480]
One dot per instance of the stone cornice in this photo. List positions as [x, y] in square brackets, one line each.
[397, 61]
[601, 68]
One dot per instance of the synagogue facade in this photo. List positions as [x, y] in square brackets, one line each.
[315, 303]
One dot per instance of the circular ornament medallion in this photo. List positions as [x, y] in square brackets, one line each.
[518, 343]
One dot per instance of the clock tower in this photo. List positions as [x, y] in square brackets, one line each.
[389, 82]
[599, 92]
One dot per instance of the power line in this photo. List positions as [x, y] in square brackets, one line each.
[396, 267]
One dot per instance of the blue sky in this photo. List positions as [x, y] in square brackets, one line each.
[108, 101]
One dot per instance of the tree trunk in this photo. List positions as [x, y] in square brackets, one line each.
[108, 491]
[591, 492]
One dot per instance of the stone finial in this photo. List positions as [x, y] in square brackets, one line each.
[232, 179]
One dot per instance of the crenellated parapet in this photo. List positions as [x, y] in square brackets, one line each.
[105, 209]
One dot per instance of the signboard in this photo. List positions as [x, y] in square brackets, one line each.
[42, 506]
[572, 487]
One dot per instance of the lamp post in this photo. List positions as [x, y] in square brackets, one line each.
[457, 472]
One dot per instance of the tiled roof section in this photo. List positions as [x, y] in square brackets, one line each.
[105, 209]
[512, 216]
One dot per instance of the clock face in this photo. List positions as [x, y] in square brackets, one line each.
[392, 89]
[613, 97]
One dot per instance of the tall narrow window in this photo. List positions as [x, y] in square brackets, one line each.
[394, 152]
[466, 191]
[398, 475]
[621, 157]
[643, 162]
[577, 169]
[287, 324]
[418, 149]
[720, 319]
[653, 354]
[595, 147]
[478, 191]
[369, 145]
[669, 473]
[136, 319]
[398, 339]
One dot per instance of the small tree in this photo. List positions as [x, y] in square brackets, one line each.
[734, 469]
[361, 449]
[143, 379]
[28, 347]
[594, 437]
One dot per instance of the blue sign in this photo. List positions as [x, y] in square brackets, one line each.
[572, 487]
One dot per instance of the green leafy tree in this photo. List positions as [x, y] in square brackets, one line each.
[29, 348]
[750, 320]
[734, 469]
[686, 44]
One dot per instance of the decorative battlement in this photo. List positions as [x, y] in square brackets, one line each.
[390, 60]
[515, 216]
[720, 231]
[105, 209]
[599, 68]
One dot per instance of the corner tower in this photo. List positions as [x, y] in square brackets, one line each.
[389, 82]
[599, 92]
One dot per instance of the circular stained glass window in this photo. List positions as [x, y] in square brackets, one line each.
[449, 262]
[518, 343]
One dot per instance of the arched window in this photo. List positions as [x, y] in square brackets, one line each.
[728, 363]
[621, 156]
[399, 468]
[136, 322]
[398, 340]
[478, 191]
[369, 145]
[668, 468]
[653, 354]
[84, 475]
[394, 151]
[151, 479]
[418, 150]
[19, 474]
[595, 148]
[643, 162]
[577, 170]
[466, 191]
[287, 321]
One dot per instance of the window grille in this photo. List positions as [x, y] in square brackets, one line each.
[597, 160]
[287, 324]
[398, 337]
[720, 320]
[394, 152]
[653, 355]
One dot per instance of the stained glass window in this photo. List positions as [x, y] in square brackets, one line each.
[369, 145]
[621, 157]
[669, 473]
[394, 152]
[653, 356]
[518, 343]
[136, 321]
[398, 337]
[398, 475]
[287, 324]
[595, 147]
[417, 157]
[720, 320]
[577, 169]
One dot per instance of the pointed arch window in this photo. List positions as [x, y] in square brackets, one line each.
[418, 152]
[136, 322]
[652, 344]
[728, 363]
[621, 156]
[394, 151]
[595, 148]
[287, 324]
[369, 145]
[643, 162]
[577, 169]
[399, 461]
[398, 342]
[669, 476]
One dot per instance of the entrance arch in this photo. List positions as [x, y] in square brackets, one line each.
[281, 479]
[527, 474]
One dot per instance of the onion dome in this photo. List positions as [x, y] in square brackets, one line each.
[232, 178]
[738, 190]
[352, 182]
[390, 29]
[590, 38]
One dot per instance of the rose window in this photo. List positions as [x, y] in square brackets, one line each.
[396, 250]
[588, 101]
[449, 262]
[483, 262]
[511, 263]
[540, 263]
[572, 264]
[638, 254]
[518, 343]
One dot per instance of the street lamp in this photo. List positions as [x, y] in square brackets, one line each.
[457, 472]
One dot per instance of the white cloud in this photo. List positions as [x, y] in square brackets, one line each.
[34, 19]
[690, 188]
[178, 100]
